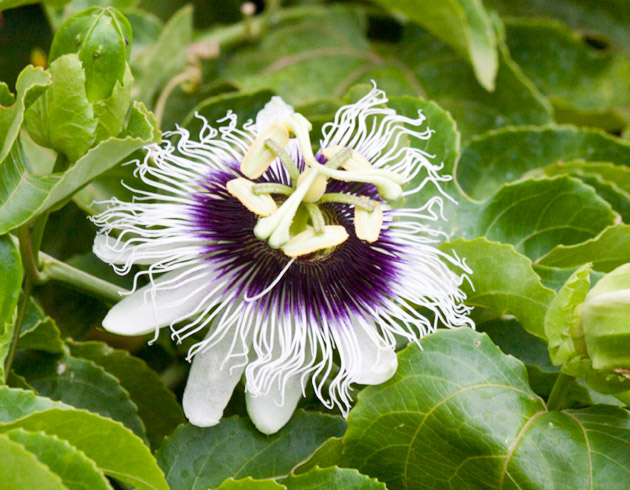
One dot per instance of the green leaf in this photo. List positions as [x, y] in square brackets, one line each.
[609, 172]
[348, 479]
[504, 282]
[110, 112]
[568, 70]
[610, 19]
[116, 451]
[23, 195]
[328, 454]
[39, 331]
[16, 404]
[62, 118]
[82, 384]
[196, 458]
[30, 84]
[451, 83]
[75, 470]
[20, 469]
[607, 251]
[462, 24]
[505, 155]
[247, 483]
[561, 317]
[10, 284]
[536, 215]
[166, 57]
[157, 405]
[318, 55]
[460, 414]
[603, 381]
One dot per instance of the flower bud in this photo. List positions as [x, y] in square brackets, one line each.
[102, 39]
[605, 321]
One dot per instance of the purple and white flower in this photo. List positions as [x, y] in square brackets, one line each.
[298, 265]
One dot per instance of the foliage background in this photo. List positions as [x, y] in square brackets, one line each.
[530, 102]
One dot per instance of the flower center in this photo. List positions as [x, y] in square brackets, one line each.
[293, 221]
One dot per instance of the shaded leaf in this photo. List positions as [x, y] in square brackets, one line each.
[82, 384]
[328, 454]
[247, 483]
[39, 331]
[17, 403]
[462, 24]
[196, 458]
[157, 405]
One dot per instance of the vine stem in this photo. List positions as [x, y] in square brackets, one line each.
[26, 295]
[558, 397]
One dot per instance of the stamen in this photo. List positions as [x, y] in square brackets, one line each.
[316, 217]
[300, 126]
[387, 183]
[284, 157]
[354, 160]
[272, 188]
[260, 204]
[367, 225]
[308, 241]
[275, 228]
[258, 158]
[317, 188]
[356, 201]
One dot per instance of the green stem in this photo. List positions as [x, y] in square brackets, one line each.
[39, 225]
[55, 270]
[29, 260]
[17, 328]
[558, 397]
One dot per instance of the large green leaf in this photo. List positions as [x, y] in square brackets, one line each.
[116, 451]
[10, 283]
[503, 282]
[462, 24]
[536, 215]
[76, 471]
[608, 172]
[157, 405]
[195, 458]
[82, 384]
[607, 251]
[461, 402]
[574, 75]
[250, 484]
[317, 478]
[505, 155]
[39, 331]
[23, 195]
[166, 57]
[609, 19]
[449, 81]
[17, 403]
[20, 469]
[63, 118]
[30, 84]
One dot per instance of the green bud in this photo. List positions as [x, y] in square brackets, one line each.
[605, 321]
[102, 38]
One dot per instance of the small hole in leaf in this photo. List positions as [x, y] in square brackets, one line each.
[597, 42]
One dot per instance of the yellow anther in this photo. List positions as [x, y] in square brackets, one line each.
[355, 162]
[258, 158]
[260, 204]
[308, 241]
[316, 189]
[367, 224]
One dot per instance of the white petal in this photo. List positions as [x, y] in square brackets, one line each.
[173, 297]
[211, 383]
[274, 111]
[272, 411]
[110, 250]
[377, 362]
